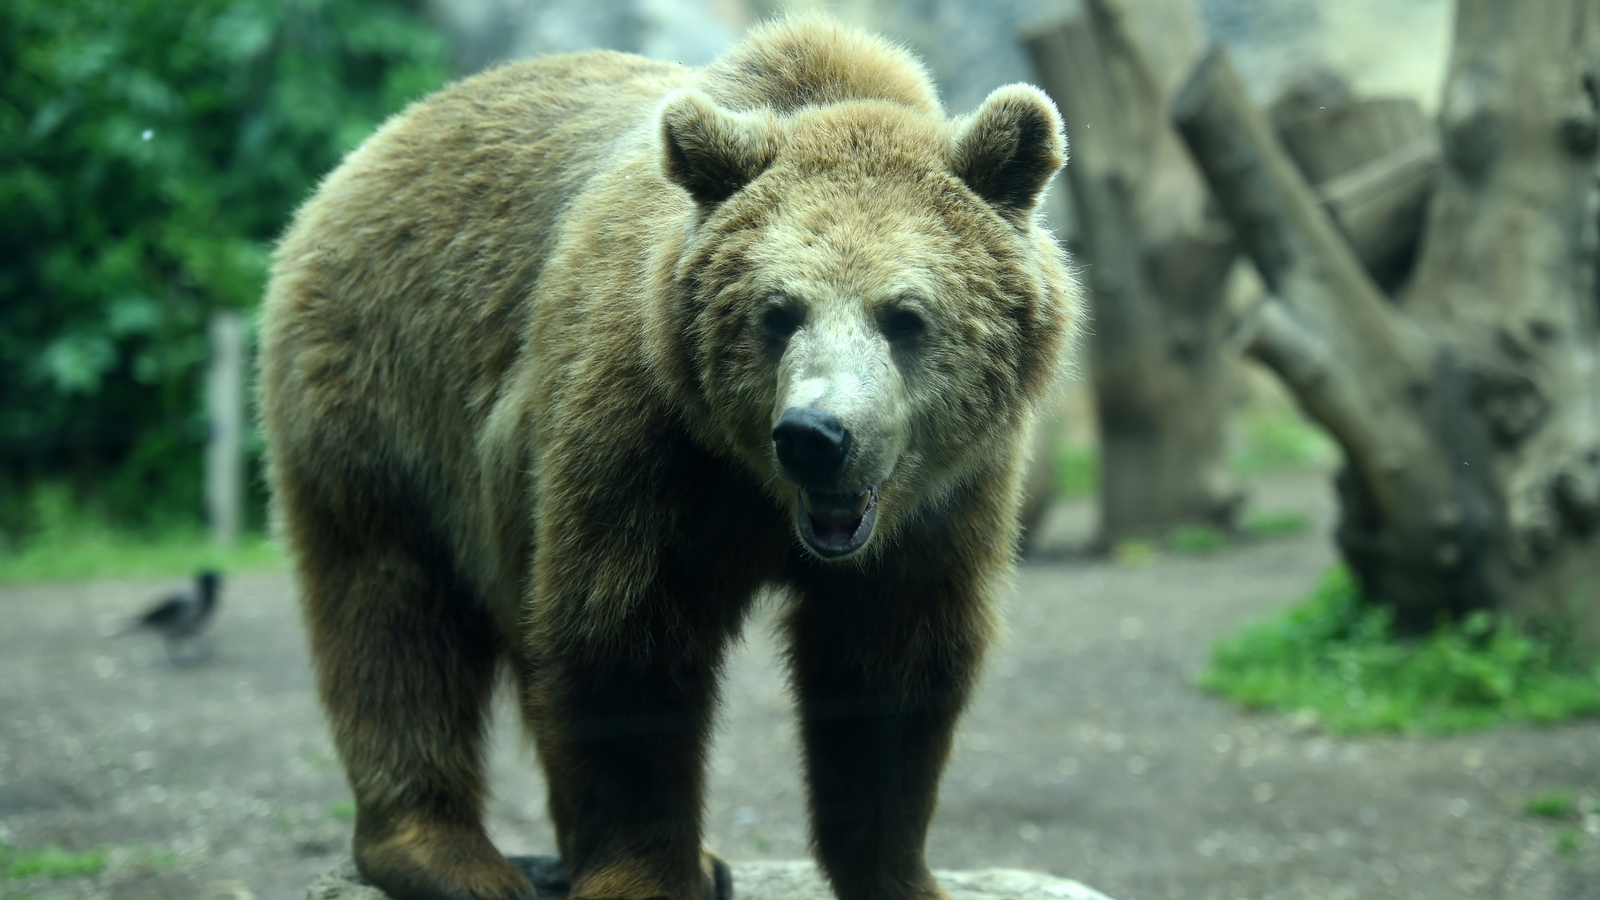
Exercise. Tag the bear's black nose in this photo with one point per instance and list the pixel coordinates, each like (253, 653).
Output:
(811, 444)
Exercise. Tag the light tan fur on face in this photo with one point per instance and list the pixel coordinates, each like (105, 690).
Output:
(859, 211)
(520, 395)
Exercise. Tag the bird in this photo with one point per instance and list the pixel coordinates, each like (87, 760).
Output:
(182, 617)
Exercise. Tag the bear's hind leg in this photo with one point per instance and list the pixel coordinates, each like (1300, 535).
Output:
(406, 664)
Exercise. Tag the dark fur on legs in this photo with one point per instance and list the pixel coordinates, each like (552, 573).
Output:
(882, 663)
(406, 663)
(622, 737)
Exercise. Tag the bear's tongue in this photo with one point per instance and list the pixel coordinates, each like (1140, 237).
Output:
(837, 524)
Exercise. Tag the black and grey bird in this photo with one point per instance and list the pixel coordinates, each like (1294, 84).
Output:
(181, 618)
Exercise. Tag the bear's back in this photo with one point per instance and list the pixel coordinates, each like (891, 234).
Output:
(815, 61)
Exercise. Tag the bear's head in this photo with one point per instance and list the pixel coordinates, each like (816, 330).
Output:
(863, 307)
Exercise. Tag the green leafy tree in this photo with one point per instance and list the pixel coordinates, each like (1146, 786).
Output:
(150, 152)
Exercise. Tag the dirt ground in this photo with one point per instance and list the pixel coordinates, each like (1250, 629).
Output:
(1087, 754)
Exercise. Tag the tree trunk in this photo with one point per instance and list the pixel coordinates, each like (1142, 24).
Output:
(1155, 263)
(1379, 206)
(1373, 160)
(1469, 410)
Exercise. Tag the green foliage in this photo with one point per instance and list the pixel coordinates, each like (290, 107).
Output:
(50, 862)
(1276, 524)
(149, 154)
(1267, 441)
(1551, 805)
(1340, 657)
(161, 859)
(1279, 441)
(1196, 540)
(66, 543)
(343, 810)
(1133, 553)
(1077, 472)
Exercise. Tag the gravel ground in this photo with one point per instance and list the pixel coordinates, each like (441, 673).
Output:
(1087, 753)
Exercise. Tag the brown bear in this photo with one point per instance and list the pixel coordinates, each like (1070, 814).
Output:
(574, 358)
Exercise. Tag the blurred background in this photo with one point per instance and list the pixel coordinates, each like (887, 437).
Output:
(1273, 635)
(153, 153)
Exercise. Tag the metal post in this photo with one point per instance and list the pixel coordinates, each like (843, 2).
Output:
(225, 435)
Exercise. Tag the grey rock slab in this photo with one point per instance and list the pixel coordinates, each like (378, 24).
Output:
(753, 881)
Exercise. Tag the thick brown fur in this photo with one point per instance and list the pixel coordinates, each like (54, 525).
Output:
(520, 404)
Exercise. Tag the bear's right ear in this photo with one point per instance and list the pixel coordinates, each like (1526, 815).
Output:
(712, 152)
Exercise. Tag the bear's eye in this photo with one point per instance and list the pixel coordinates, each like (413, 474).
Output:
(779, 323)
(902, 326)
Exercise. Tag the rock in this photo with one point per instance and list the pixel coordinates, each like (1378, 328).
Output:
(753, 881)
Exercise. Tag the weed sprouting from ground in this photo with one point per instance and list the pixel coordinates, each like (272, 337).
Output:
(53, 863)
(1134, 553)
(1553, 805)
(1196, 540)
(1276, 524)
(1341, 657)
(50, 862)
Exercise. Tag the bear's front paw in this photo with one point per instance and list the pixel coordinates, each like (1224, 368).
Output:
(719, 878)
(634, 882)
(416, 859)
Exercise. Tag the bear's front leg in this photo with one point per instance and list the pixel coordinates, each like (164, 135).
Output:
(621, 732)
(882, 670)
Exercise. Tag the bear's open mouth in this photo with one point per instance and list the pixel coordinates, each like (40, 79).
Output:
(837, 524)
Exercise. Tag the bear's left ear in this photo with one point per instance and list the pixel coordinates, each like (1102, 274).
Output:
(712, 152)
(1009, 149)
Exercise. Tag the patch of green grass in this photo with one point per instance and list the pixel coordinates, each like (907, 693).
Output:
(1077, 472)
(1134, 553)
(1275, 524)
(1567, 841)
(50, 862)
(1280, 441)
(1196, 540)
(1340, 657)
(110, 554)
(1551, 805)
(343, 810)
(1266, 441)
(161, 860)
(69, 543)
